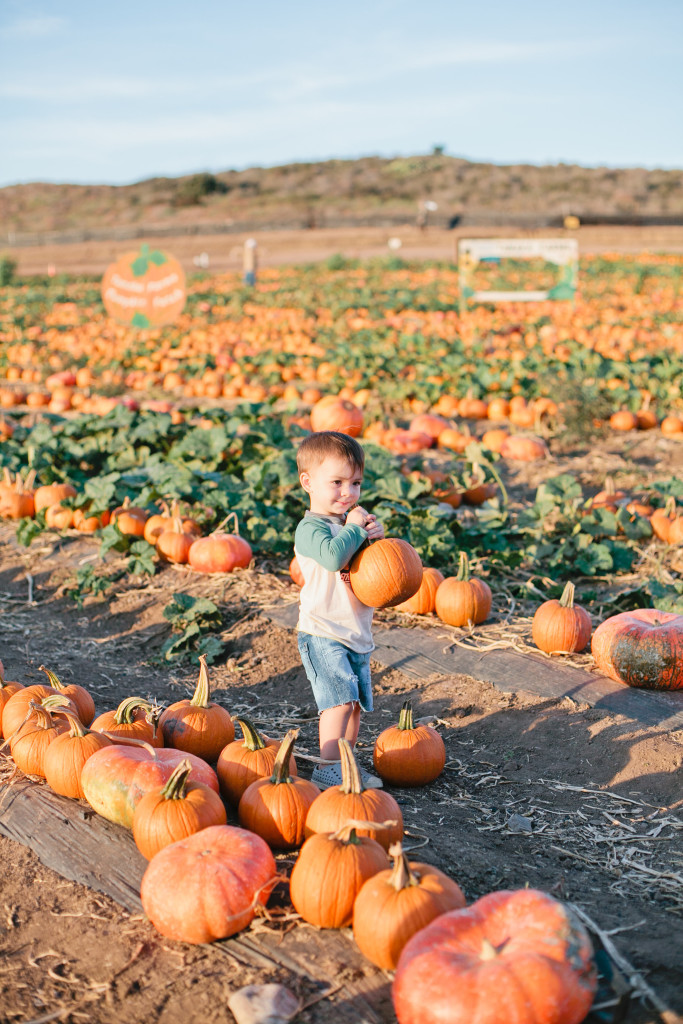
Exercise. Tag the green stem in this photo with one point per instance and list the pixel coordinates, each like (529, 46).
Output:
(253, 740)
(351, 780)
(281, 766)
(405, 720)
(202, 692)
(464, 567)
(125, 712)
(177, 782)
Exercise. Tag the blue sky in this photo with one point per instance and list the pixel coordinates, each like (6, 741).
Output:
(94, 92)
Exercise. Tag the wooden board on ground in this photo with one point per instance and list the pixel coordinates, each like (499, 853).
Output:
(418, 653)
(78, 844)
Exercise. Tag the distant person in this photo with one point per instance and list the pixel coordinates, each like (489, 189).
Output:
(250, 261)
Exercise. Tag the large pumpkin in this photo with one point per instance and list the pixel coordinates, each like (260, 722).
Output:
(144, 288)
(386, 573)
(116, 778)
(221, 551)
(335, 413)
(518, 957)
(643, 648)
(207, 887)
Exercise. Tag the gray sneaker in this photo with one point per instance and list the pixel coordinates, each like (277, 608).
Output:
(325, 776)
(370, 781)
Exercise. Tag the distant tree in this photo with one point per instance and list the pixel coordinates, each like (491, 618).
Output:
(438, 150)
(194, 189)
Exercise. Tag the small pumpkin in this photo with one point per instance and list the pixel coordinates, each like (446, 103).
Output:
(396, 903)
(385, 573)
(296, 573)
(623, 420)
(423, 600)
(7, 690)
(275, 808)
(339, 414)
(330, 872)
(221, 551)
(609, 497)
(16, 707)
(561, 627)
(244, 761)
(523, 449)
(407, 754)
(208, 886)
(85, 705)
(130, 519)
(66, 755)
(350, 801)
(198, 725)
(642, 648)
(29, 745)
(59, 517)
(52, 494)
(462, 599)
(134, 719)
(173, 543)
(515, 956)
(177, 810)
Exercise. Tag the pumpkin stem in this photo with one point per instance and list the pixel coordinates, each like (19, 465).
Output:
(52, 678)
(281, 766)
(401, 876)
(253, 740)
(464, 567)
(56, 701)
(609, 487)
(405, 720)
(351, 780)
(670, 506)
(42, 715)
(177, 782)
(128, 741)
(347, 832)
(76, 726)
(235, 523)
(488, 951)
(567, 599)
(202, 693)
(125, 712)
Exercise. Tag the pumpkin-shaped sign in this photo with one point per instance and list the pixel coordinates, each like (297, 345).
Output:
(144, 289)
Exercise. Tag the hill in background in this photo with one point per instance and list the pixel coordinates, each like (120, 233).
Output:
(335, 193)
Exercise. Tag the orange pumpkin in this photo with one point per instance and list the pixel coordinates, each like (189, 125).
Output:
(335, 413)
(198, 725)
(134, 718)
(523, 449)
(52, 494)
(144, 288)
(66, 755)
(461, 600)
(296, 573)
(244, 761)
(407, 754)
(423, 600)
(642, 648)
(85, 705)
(561, 627)
(385, 573)
(220, 551)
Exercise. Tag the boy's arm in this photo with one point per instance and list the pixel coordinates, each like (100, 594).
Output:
(313, 539)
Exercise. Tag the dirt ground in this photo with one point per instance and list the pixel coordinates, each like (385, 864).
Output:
(286, 247)
(551, 794)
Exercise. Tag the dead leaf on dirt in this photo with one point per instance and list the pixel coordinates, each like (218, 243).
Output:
(264, 1004)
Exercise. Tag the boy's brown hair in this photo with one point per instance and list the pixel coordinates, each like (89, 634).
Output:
(315, 448)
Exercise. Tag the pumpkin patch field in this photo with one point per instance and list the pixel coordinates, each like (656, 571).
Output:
(526, 460)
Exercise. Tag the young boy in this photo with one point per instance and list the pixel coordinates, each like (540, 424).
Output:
(335, 636)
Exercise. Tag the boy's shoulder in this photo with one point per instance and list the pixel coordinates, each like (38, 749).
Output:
(315, 521)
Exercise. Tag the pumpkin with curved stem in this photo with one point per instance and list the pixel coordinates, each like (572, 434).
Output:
(330, 872)
(133, 719)
(116, 778)
(221, 551)
(561, 627)
(52, 494)
(396, 903)
(173, 543)
(16, 707)
(208, 886)
(198, 725)
(29, 746)
(642, 648)
(407, 754)
(275, 808)
(244, 761)
(156, 523)
(662, 518)
(130, 519)
(85, 705)
(339, 414)
(68, 752)
(385, 573)
(334, 806)
(462, 599)
(177, 810)
(609, 497)
(516, 956)
(423, 601)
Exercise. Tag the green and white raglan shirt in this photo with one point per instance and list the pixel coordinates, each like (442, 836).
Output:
(324, 546)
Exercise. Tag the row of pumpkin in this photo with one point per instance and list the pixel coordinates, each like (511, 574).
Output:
(206, 880)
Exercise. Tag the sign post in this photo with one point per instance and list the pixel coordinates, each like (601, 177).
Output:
(563, 252)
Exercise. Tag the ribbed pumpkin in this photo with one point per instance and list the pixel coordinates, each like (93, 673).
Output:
(175, 811)
(85, 705)
(407, 754)
(52, 494)
(173, 543)
(424, 600)
(350, 801)
(221, 551)
(339, 414)
(330, 872)
(116, 778)
(276, 808)
(244, 761)
(642, 648)
(199, 725)
(207, 887)
(29, 745)
(130, 519)
(66, 755)
(517, 957)
(396, 903)
(133, 719)
(662, 520)
(461, 599)
(7, 690)
(59, 517)
(16, 708)
(561, 627)
(385, 573)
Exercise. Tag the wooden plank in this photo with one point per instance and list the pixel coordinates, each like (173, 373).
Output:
(418, 653)
(71, 839)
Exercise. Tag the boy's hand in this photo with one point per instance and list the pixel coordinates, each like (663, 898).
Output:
(358, 516)
(374, 528)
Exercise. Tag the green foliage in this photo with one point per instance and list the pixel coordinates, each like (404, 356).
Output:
(89, 581)
(194, 621)
(8, 269)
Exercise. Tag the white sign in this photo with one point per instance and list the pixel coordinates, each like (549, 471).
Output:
(564, 252)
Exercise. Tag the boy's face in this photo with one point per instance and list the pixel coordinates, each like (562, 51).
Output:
(333, 485)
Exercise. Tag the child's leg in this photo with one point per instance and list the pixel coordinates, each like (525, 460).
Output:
(341, 722)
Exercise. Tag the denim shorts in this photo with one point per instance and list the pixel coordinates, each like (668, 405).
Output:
(337, 674)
